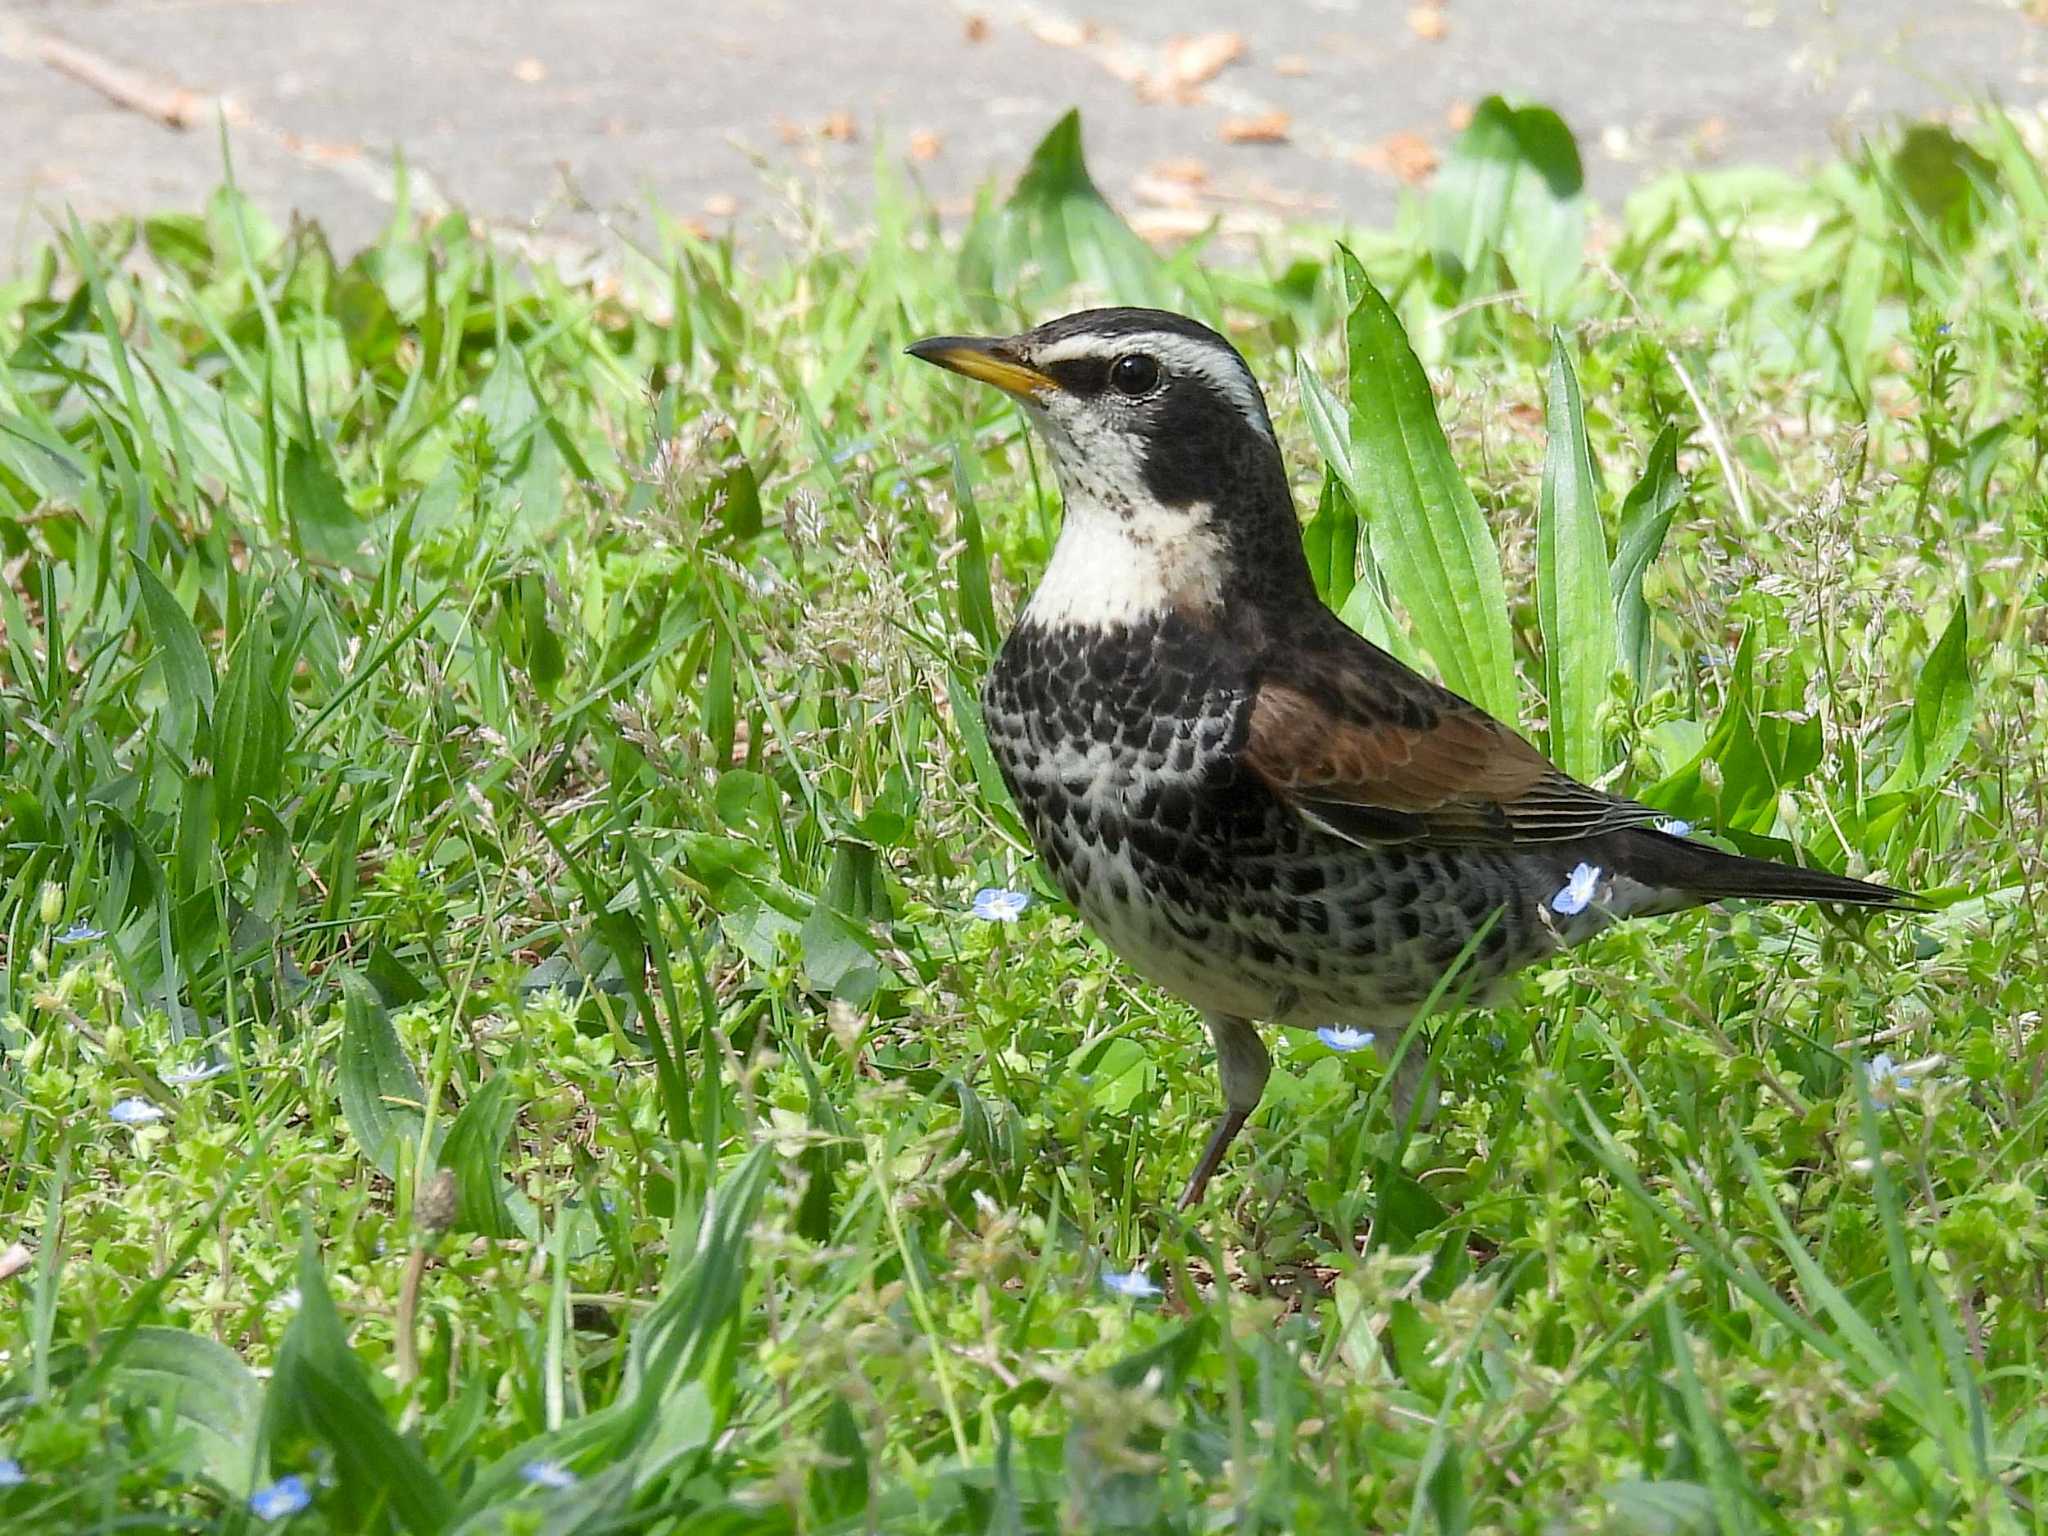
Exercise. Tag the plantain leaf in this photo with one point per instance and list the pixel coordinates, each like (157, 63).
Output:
(381, 1097)
(1944, 704)
(1056, 230)
(1645, 519)
(1425, 531)
(188, 676)
(1512, 187)
(319, 1391)
(215, 1399)
(249, 754)
(1573, 607)
(1331, 542)
(475, 1150)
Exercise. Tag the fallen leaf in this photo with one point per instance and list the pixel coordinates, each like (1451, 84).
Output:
(1408, 157)
(1184, 169)
(529, 71)
(925, 145)
(17, 1258)
(1292, 65)
(840, 128)
(721, 205)
(1162, 193)
(1058, 31)
(1264, 128)
(1427, 22)
(1192, 61)
(1459, 116)
(977, 28)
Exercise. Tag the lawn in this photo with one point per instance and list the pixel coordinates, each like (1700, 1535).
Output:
(504, 1025)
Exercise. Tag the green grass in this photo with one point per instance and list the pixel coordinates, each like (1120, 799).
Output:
(521, 734)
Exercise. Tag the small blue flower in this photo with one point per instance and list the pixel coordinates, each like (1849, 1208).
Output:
(135, 1112)
(11, 1475)
(185, 1077)
(992, 905)
(282, 1499)
(1675, 826)
(1887, 1080)
(1136, 1284)
(548, 1474)
(81, 933)
(1577, 892)
(1342, 1037)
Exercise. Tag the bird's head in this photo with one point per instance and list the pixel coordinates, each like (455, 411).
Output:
(1176, 494)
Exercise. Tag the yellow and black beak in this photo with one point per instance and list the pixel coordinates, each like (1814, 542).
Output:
(991, 361)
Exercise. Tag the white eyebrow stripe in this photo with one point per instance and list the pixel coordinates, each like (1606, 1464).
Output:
(1221, 368)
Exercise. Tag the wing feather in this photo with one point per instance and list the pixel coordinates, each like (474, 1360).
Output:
(1389, 757)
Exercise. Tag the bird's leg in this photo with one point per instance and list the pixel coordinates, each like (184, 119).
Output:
(1412, 1091)
(1244, 1066)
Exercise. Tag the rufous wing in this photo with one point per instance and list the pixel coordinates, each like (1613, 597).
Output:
(1379, 763)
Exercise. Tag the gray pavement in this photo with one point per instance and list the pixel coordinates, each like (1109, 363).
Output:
(561, 115)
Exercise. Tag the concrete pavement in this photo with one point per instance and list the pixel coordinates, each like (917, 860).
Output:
(559, 114)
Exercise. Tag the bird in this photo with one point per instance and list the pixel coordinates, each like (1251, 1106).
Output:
(1258, 809)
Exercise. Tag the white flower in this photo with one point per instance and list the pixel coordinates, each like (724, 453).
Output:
(1342, 1037)
(992, 905)
(1674, 826)
(81, 933)
(1136, 1284)
(281, 1500)
(986, 1204)
(135, 1112)
(11, 1475)
(1577, 892)
(548, 1474)
(1887, 1080)
(185, 1077)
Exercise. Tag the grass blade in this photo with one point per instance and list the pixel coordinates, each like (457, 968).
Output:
(1572, 602)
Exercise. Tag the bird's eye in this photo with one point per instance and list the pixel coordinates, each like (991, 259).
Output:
(1134, 374)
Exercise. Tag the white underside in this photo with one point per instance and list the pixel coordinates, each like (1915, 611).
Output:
(1111, 568)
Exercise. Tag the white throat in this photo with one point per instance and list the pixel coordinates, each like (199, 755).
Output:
(1123, 566)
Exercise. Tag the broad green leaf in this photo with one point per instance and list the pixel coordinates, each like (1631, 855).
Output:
(1425, 530)
(732, 500)
(318, 1391)
(681, 1368)
(474, 1149)
(1944, 178)
(188, 676)
(1118, 1072)
(1056, 230)
(1328, 422)
(1331, 542)
(1645, 519)
(381, 1097)
(1512, 186)
(325, 525)
(1573, 607)
(1944, 705)
(1664, 1507)
(1765, 741)
(248, 757)
(838, 950)
(215, 1399)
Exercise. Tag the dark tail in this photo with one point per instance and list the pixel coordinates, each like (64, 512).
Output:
(1708, 874)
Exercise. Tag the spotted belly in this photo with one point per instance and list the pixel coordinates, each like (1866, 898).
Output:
(1282, 922)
